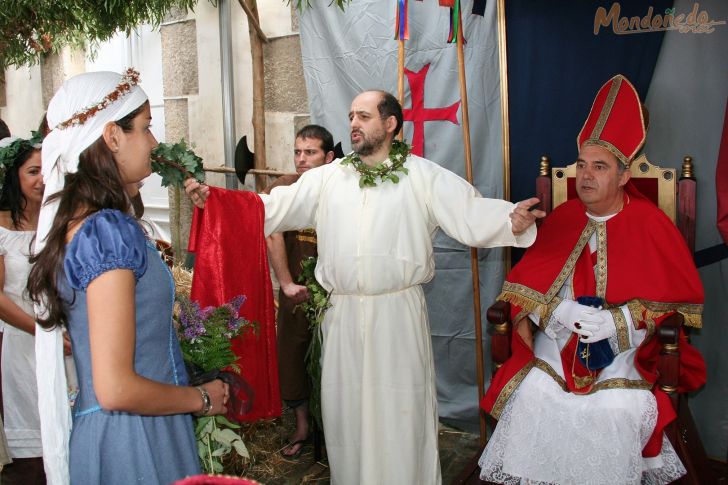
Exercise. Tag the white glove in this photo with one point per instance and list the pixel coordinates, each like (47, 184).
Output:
(581, 319)
(607, 328)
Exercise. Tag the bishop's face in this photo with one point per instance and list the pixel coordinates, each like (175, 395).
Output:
(599, 180)
(367, 128)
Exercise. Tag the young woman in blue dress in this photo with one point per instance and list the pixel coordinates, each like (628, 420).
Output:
(99, 276)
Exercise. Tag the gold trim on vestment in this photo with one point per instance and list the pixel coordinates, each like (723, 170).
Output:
(508, 389)
(543, 366)
(620, 323)
(536, 302)
(614, 383)
(650, 328)
(606, 109)
(601, 272)
(522, 314)
(642, 310)
(609, 147)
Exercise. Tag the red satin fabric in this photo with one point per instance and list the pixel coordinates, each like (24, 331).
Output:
(231, 259)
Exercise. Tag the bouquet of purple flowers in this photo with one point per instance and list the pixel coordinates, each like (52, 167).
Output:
(205, 333)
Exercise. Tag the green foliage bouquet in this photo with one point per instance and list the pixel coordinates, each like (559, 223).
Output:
(176, 162)
(204, 335)
(314, 308)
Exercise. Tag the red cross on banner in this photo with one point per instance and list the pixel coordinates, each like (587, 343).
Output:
(418, 114)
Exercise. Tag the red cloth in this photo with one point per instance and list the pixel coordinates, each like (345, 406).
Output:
(647, 261)
(231, 260)
(721, 180)
(644, 246)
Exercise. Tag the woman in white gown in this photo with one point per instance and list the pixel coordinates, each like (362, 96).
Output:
(20, 201)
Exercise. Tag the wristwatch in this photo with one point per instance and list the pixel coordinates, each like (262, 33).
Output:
(206, 402)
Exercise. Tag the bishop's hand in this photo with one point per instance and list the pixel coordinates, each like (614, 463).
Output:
(581, 319)
(606, 329)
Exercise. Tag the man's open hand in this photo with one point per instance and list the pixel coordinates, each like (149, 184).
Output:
(523, 216)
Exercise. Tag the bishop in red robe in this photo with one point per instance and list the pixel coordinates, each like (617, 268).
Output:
(562, 419)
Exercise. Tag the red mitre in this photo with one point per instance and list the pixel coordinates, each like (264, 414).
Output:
(616, 121)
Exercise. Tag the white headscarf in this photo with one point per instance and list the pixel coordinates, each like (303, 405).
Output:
(76, 99)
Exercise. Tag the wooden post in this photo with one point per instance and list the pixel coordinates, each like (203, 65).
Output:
(480, 371)
(256, 50)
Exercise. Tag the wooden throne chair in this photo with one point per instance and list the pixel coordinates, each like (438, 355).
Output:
(676, 197)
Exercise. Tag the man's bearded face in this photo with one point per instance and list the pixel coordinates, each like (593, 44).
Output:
(367, 142)
(367, 129)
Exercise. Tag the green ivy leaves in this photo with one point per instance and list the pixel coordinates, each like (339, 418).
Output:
(175, 162)
(215, 440)
(368, 175)
(314, 308)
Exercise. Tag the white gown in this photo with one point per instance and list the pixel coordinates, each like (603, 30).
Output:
(375, 250)
(20, 392)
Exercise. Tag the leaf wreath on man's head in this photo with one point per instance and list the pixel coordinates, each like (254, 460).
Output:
(11, 147)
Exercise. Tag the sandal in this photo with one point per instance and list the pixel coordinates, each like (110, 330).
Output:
(291, 444)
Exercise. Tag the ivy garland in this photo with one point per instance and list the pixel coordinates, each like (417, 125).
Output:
(368, 175)
(9, 153)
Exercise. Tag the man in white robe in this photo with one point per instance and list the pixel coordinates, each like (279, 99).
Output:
(375, 250)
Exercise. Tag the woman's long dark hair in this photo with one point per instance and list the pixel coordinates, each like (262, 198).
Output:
(96, 185)
(12, 198)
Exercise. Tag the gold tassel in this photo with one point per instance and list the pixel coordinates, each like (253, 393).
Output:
(527, 304)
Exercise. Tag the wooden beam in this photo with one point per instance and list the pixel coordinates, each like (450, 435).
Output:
(253, 19)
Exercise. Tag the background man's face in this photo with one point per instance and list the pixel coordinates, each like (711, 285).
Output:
(599, 183)
(308, 154)
(368, 132)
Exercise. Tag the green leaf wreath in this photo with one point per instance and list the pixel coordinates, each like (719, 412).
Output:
(176, 162)
(314, 308)
(9, 154)
(383, 171)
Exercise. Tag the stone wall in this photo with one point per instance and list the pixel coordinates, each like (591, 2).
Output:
(193, 95)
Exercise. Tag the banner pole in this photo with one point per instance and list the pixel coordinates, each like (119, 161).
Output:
(400, 79)
(480, 371)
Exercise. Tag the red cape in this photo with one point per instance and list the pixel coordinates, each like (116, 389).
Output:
(231, 260)
(649, 267)
(648, 260)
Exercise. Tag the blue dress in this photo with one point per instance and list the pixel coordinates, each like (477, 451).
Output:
(117, 447)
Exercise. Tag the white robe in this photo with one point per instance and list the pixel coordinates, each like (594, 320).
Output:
(375, 250)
